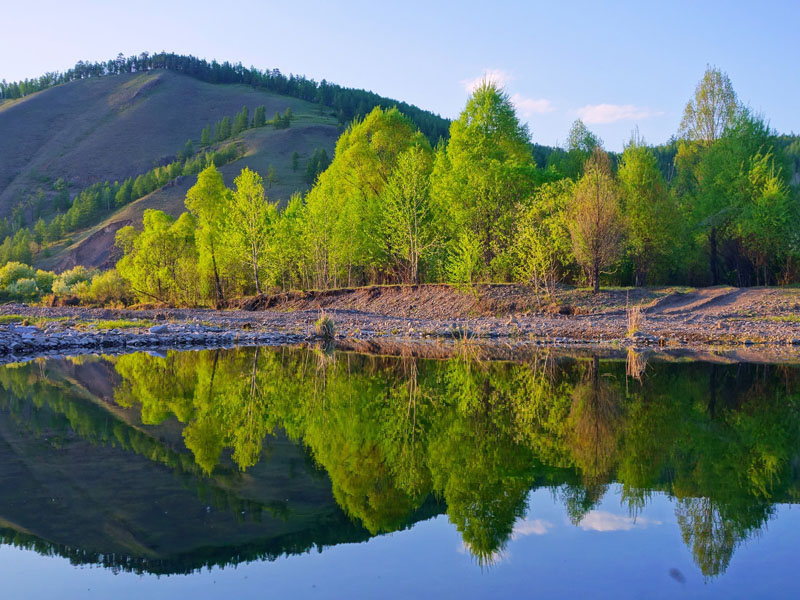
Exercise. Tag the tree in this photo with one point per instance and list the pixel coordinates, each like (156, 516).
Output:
(713, 108)
(187, 152)
(160, 262)
(595, 223)
(580, 144)
(205, 136)
(346, 206)
(648, 209)
(407, 222)
(260, 116)
(484, 174)
(542, 244)
(241, 122)
(208, 200)
(295, 160)
(249, 221)
(39, 233)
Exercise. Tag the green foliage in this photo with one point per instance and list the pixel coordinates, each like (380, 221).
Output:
(650, 213)
(542, 244)
(484, 174)
(160, 262)
(594, 221)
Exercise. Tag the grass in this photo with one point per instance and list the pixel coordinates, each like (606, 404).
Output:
(782, 318)
(635, 318)
(122, 324)
(325, 327)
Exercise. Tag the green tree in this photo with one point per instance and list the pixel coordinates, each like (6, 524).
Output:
(205, 136)
(595, 223)
(648, 209)
(260, 116)
(241, 122)
(713, 108)
(209, 200)
(407, 220)
(249, 221)
(484, 174)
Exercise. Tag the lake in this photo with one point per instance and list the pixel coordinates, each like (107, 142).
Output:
(312, 473)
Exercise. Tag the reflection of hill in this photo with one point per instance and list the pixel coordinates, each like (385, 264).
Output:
(247, 430)
(83, 484)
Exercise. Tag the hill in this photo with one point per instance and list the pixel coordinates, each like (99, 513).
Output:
(110, 128)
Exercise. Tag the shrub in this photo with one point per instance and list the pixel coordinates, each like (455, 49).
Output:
(109, 287)
(23, 290)
(66, 283)
(326, 327)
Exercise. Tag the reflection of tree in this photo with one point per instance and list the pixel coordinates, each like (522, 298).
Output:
(595, 420)
(711, 537)
(391, 432)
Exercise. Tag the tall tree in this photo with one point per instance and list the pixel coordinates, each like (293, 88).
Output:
(712, 109)
(486, 171)
(648, 209)
(595, 223)
(249, 221)
(209, 200)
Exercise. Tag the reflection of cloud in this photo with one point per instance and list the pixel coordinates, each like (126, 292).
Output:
(497, 76)
(611, 113)
(600, 520)
(525, 527)
(530, 106)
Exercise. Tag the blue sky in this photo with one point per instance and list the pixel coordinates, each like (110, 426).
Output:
(616, 64)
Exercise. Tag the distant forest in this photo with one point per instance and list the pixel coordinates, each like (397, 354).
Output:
(346, 103)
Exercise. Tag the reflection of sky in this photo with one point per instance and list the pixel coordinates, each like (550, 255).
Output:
(546, 557)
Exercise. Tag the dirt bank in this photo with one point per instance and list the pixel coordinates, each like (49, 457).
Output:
(716, 320)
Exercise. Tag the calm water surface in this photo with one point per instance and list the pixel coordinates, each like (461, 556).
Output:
(261, 473)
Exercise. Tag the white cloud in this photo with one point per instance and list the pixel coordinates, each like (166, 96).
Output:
(497, 76)
(535, 527)
(598, 520)
(531, 106)
(611, 113)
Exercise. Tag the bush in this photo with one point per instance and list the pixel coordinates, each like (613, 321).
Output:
(22, 290)
(109, 287)
(66, 283)
(13, 271)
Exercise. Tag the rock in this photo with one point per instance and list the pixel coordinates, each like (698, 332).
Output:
(159, 329)
(25, 329)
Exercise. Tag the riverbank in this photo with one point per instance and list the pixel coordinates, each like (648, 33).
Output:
(430, 320)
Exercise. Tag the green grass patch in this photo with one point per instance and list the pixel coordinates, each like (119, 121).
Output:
(121, 324)
(782, 318)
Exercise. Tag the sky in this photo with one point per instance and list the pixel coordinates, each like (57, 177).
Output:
(616, 65)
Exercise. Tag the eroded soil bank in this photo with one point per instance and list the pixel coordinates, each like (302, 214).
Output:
(432, 320)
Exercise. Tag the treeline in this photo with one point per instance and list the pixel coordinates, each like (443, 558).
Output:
(99, 200)
(390, 208)
(346, 103)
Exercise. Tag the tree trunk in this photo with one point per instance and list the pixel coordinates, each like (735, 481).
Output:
(712, 242)
(596, 278)
(217, 283)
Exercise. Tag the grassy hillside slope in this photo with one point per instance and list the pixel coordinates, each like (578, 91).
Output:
(110, 128)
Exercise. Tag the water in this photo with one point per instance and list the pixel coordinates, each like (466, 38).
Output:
(300, 473)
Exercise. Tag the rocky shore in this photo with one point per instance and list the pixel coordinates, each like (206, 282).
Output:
(715, 321)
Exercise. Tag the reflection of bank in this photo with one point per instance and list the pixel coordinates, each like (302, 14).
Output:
(396, 437)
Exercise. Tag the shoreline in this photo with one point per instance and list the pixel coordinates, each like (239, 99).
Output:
(28, 332)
